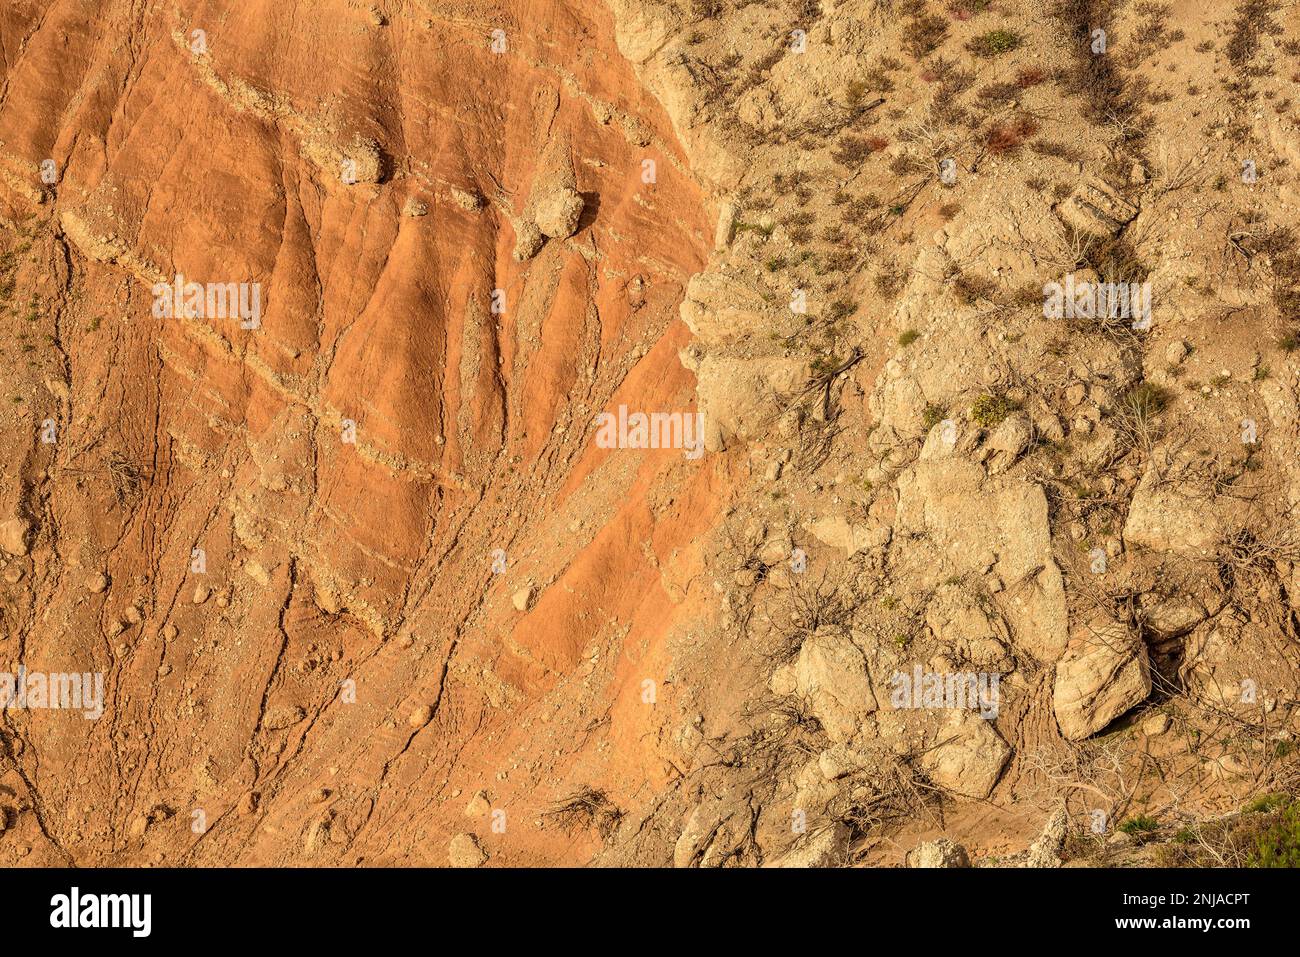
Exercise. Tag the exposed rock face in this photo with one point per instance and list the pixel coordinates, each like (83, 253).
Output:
(1095, 207)
(330, 485)
(348, 552)
(721, 310)
(1046, 849)
(1007, 441)
(961, 623)
(1103, 673)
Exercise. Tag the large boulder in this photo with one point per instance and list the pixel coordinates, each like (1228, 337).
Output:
(969, 758)
(1238, 665)
(837, 532)
(720, 309)
(996, 524)
(826, 846)
(831, 674)
(1167, 518)
(737, 396)
(1103, 673)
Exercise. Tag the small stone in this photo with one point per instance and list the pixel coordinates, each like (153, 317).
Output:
(557, 213)
(98, 583)
(1155, 725)
(467, 200)
(248, 803)
(285, 716)
(420, 716)
(466, 852)
(523, 598)
(528, 240)
(940, 853)
(478, 805)
(170, 631)
(15, 534)
(201, 594)
(133, 615)
(14, 574)
(1176, 352)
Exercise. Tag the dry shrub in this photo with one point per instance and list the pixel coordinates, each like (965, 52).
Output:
(1030, 76)
(1008, 137)
(584, 809)
(923, 34)
(855, 149)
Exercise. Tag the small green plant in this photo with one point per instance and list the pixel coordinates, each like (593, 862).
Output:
(763, 229)
(988, 410)
(1267, 802)
(995, 43)
(908, 336)
(1279, 845)
(1137, 826)
(932, 415)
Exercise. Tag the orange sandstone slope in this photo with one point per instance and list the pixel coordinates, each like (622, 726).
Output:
(284, 546)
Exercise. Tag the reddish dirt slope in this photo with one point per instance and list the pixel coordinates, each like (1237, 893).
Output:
(336, 569)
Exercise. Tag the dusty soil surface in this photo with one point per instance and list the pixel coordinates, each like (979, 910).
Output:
(363, 578)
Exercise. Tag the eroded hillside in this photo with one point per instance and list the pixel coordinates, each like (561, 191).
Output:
(364, 584)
